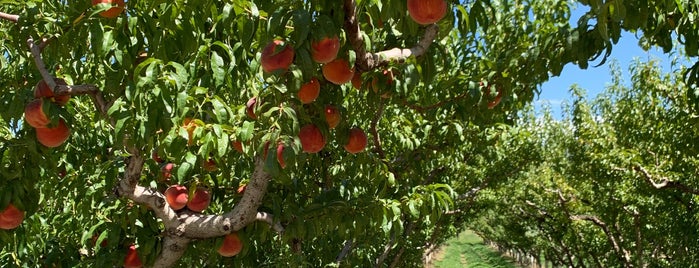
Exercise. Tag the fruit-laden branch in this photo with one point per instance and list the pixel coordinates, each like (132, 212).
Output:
(62, 90)
(194, 225)
(10, 17)
(200, 226)
(367, 60)
(664, 182)
(181, 229)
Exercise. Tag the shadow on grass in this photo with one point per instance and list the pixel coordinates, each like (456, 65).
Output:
(468, 250)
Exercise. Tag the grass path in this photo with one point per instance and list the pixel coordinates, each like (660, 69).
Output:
(467, 250)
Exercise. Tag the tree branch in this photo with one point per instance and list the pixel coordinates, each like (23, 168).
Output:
(200, 226)
(354, 34)
(36, 54)
(664, 182)
(173, 249)
(349, 244)
(386, 249)
(269, 219)
(10, 17)
(605, 229)
(375, 133)
(61, 90)
(367, 60)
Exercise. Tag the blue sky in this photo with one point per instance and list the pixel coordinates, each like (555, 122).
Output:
(594, 79)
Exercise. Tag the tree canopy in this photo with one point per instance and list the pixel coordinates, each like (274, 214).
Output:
(317, 133)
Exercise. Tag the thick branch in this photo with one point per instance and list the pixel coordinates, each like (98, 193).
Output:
(346, 249)
(200, 226)
(354, 34)
(269, 219)
(173, 249)
(664, 182)
(10, 17)
(402, 54)
(605, 229)
(367, 60)
(128, 187)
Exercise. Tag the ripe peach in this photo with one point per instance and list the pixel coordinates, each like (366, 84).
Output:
(250, 107)
(156, 157)
(231, 245)
(387, 77)
(496, 100)
(280, 155)
(42, 90)
(209, 165)
(11, 217)
(166, 171)
(277, 55)
(112, 12)
(62, 172)
(34, 114)
(53, 137)
(309, 91)
(332, 116)
(338, 71)
(266, 150)
(427, 11)
(132, 260)
(325, 50)
(312, 140)
(95, 237)
(357, 141)
(238, 146)
(200, 201)
(357, 80)
(177, 196)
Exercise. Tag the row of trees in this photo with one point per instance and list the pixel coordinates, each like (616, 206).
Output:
(191, 93)
(612, 184)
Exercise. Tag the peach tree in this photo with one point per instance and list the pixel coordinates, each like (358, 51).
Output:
(290, 132)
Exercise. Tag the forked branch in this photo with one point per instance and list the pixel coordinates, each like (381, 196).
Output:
(61, 90)
(369, 60)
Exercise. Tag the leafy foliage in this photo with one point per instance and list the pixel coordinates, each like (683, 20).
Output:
(433, 141)
(614, 184)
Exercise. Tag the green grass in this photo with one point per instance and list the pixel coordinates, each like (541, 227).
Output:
(468, 250)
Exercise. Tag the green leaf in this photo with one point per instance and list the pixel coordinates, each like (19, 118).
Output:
(217, 67)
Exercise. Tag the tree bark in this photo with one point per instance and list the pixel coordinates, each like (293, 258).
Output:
(366, 60)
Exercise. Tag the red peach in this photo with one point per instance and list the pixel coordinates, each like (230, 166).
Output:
(338, 71)
(325, 50)
(357, 141)
(177, 196)
(277, 55)
(312, 140)
(427, 11)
